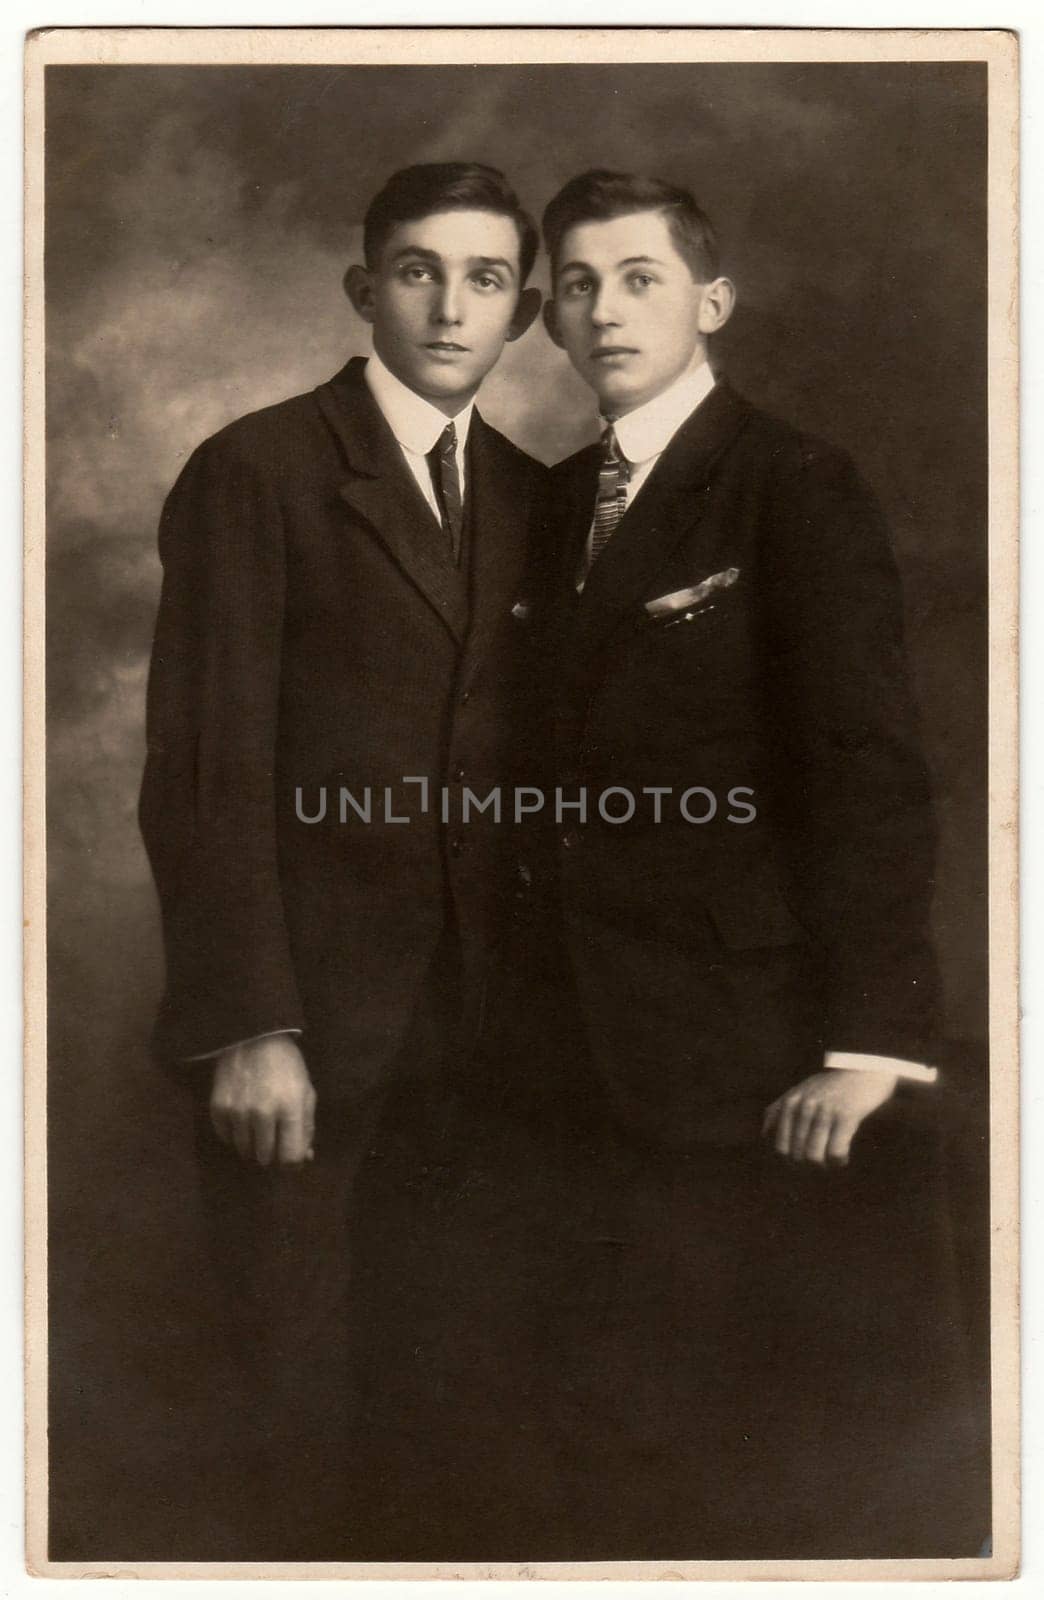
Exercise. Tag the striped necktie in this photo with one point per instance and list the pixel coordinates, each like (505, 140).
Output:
(442, 464)
(613, 477)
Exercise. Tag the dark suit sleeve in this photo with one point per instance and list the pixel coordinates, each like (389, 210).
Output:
(207, 805)
(852, 781)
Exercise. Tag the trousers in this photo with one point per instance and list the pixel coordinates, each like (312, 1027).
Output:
(281, 1245)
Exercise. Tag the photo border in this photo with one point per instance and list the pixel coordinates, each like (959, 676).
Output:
(494, 46)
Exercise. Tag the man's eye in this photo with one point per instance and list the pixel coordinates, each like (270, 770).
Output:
(578, 286)
(417, 273)
(642, 280)
(487, 280)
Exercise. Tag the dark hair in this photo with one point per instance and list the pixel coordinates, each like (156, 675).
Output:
(434, 186)
(598, 196)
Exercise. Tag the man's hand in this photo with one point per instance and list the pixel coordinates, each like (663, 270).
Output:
(263, 1102)
(818, 1119)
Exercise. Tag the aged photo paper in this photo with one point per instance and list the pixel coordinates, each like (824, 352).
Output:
(521, 572)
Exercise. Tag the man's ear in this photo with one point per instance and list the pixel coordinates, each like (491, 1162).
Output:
(358, 286)
(525, 313)
(719, 298)
(551, 324)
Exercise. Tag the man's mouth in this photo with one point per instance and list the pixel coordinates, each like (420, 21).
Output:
(447, 345)
(606, 352)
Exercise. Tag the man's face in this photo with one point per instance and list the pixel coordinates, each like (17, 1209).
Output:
(444, 299)
(626, 308)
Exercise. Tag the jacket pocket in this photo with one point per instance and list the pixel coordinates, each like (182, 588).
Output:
(691, 619)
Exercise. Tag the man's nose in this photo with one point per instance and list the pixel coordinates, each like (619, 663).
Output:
(448, 307)
(604, 310)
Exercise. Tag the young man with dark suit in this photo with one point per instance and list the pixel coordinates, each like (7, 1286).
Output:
(747, 928)
(334, 663)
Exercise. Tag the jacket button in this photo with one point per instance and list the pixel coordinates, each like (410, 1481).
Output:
(465, 697)
(569, 839)
(456, 845)
(458, 774)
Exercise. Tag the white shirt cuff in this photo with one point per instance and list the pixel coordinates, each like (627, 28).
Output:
(847, 1061)
(210, 1055)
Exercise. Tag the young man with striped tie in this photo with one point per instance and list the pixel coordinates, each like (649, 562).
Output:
(757, 986)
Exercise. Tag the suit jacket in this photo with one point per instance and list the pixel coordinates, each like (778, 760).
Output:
(312, 637)
(716, 961)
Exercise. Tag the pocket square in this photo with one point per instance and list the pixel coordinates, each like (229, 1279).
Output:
(681, 599)
(520, 610)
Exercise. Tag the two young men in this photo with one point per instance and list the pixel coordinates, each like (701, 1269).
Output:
(718, 610)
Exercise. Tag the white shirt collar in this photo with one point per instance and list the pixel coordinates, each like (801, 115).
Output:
(414, 421)
(645, 432)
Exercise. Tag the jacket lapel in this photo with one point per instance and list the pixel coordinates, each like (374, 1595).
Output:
(578, 513)
(669, 506)
(497, 497)
(381, 489)
(574, 485)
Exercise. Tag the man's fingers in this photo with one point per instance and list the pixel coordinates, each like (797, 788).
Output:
(805, 1119)
(294, 1141)
(803, 1127)
(785, 1125)
(817, 1120)
(264, 1137)
(841, 1136)
(819, 1136)
(263, 1103)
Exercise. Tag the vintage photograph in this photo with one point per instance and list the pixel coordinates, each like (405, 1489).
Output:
(520, 651)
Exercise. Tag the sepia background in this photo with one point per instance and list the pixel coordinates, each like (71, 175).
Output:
(199, 220)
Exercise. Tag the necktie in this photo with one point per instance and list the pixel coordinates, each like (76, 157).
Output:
(613, 477)
(442, 463)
